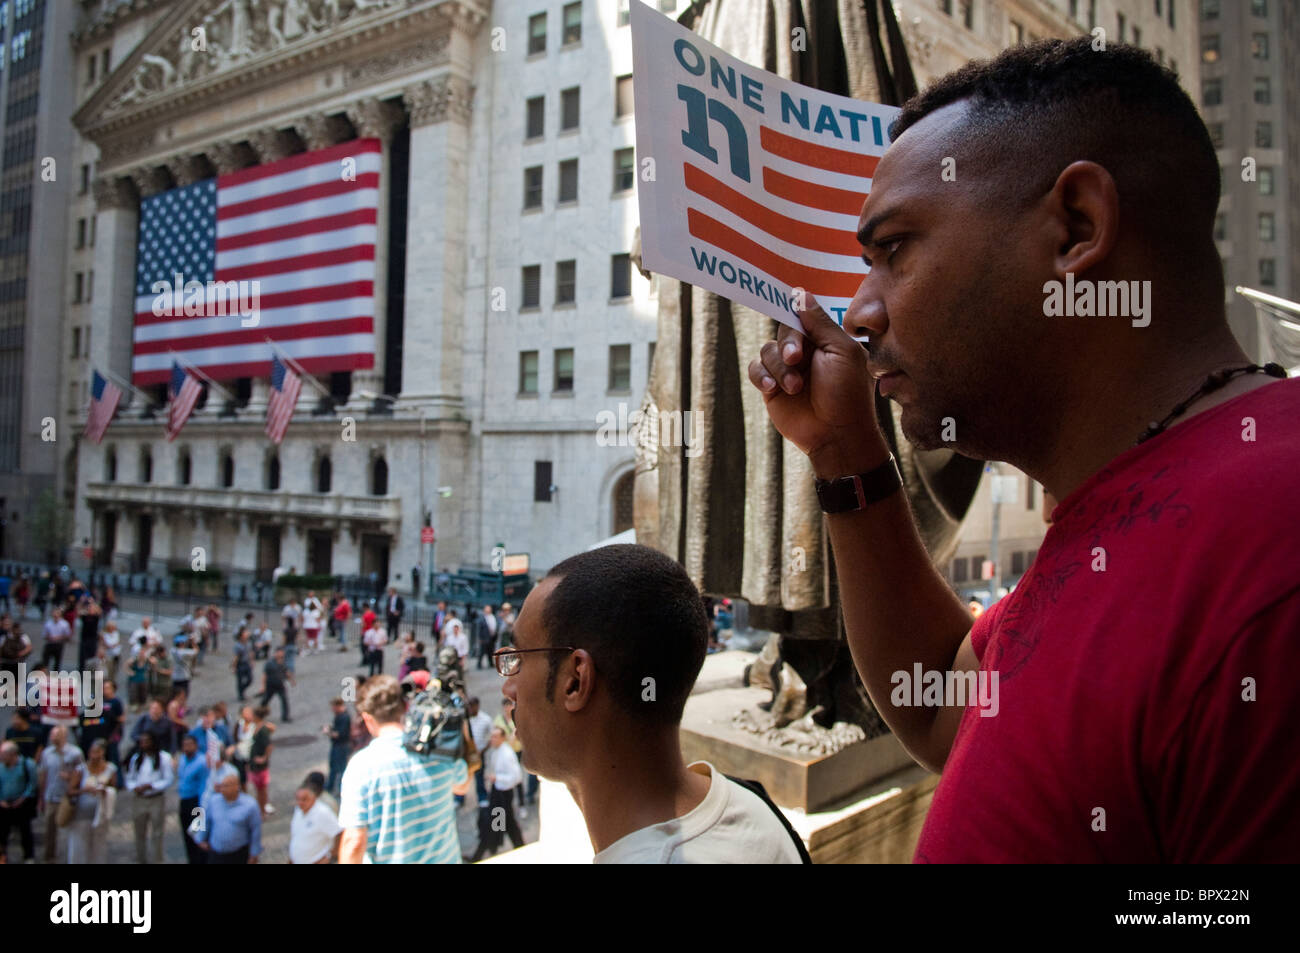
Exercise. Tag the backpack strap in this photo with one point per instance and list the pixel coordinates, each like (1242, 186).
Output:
(757, 788)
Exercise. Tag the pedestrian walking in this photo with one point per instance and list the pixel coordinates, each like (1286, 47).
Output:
(93, 787)
(232, 829)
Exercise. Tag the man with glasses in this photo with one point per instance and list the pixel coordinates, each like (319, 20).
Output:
(598, 704)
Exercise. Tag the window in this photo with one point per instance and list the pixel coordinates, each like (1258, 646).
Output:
(379, 477)
(620, 276)
(620, 367)
(146, 465)
(977, 567)
(532, 286)
(90, 284)
(533, 187)
(324, 475)
(1123, 23)
(1092, 14)
(1160, 56)
(20, 45)
(1259, 46)
(1220, 227)
(1216, 134)
(273, 472)
(76, 342)
(1259, 8)
(564, 370)
(1209, 9)
(623, 96)
(1264, 134)
(228, 470)
(650, 360)
(1137, 36)
(1158, 10)
(85, 340)
(569, 100)
(1267, 227)
(1171, 13)
(566, 281)
(78, 288)
(572, 18)
(959, 570)
(85, 178)
(537, 34)
(1018, 563)
(535, 126)
(1263, 91)
(1223, 180)
(967, 13)
(110, 466)
(1029, 496)
(542, 481)
(90, 69)
(103, 69)
(1267, 272)
(1264, 177)
(1211, 92)
(528, 372)
(624, 14)
(93, 219)
(946, 6)
(624, 169)
(568, 181)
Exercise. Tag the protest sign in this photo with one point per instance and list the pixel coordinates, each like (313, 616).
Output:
(750, 185)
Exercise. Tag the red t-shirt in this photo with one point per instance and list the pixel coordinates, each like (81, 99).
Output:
(368, 619)
(1126, 690)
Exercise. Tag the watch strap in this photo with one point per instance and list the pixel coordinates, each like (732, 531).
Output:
(848, 494)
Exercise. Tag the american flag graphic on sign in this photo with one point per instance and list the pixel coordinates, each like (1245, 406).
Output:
(285, 387)
(183, 391)
(104, 398)
(294, 238)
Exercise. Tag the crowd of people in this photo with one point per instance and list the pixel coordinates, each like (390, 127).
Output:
(65, 763)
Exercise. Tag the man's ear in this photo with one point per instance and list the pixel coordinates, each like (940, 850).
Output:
(578, 681)
(1084, 204)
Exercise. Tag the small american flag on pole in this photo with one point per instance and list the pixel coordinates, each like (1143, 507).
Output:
(104, 398)
(184, 391)
(285, 387)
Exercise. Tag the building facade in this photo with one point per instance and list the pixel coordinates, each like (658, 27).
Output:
(510, 325)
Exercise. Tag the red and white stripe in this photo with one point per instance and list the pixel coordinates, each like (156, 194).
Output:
(182, 405)
(307, 235)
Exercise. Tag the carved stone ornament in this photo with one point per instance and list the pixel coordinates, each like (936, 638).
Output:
(150, 180)
(375, 119)
(272, 145)
(227, 157)
(237, 32)
(319, 131)
(436, 100)
(114, 192)
(431, 51)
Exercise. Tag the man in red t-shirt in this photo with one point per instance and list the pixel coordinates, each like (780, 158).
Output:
(1132, 694)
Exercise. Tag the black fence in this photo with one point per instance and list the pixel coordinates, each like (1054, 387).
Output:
(161, 597)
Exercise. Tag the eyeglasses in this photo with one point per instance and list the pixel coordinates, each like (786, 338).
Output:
(507, 660)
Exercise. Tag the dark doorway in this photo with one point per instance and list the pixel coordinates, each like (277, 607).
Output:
(320, 550)
(374, 558)
(144, 543)
(268, 551)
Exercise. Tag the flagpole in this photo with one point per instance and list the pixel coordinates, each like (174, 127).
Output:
(302, 372)
(199, 374)
(131, 387)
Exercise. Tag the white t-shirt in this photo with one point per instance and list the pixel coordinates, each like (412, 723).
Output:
(480, 729)
(731, 825)
(312, 834)
(112, 642)
(453, 634)
(310, 619)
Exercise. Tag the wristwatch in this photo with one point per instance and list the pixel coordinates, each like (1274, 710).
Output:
(848, 494)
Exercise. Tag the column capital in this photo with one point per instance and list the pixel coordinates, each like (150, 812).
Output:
(227, 157)
(188, 169)
(272, 145)
(437, 100)
(376, 119)
(150, 180)
(319, 131)
(114, 192)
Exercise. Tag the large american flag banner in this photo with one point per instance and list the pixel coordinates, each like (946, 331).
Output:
(183, 391)
(285, 387)
(302, 228)
(104, 398)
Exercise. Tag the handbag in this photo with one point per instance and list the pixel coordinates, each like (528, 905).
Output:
(66, 812)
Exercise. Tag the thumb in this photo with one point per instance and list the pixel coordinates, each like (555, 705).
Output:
(821, 328)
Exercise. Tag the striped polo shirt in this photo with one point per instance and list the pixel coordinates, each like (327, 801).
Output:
(404, 801)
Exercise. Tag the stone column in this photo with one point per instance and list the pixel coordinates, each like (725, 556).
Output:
(375, 119)
(227, 157)
(319, 131)
(112, 311)
(435, 252)
(188, 169)
(272, 145)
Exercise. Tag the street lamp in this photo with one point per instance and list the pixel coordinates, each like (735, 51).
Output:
(371, 395)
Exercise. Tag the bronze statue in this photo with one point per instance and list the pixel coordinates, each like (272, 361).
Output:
(739, 511)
